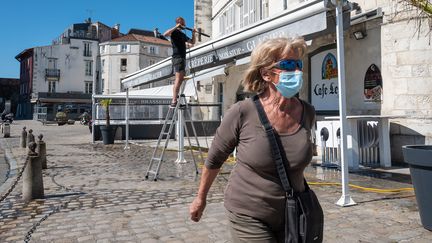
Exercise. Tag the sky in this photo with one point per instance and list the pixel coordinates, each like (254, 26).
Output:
(30, 23)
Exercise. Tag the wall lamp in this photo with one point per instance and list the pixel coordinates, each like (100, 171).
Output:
(360, 34)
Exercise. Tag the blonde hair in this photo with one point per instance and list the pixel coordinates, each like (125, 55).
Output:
(265, 55)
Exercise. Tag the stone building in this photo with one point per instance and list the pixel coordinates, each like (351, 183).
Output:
(61, 76)
(388, 56)
(387, 67)
(9, 94)
(130, 53)
(403, 44)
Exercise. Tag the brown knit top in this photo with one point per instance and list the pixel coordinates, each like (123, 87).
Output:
(254, 187)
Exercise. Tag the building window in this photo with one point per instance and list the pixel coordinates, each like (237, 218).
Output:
(154, 50)
(87, 49)
(250, 12)
(52, 63)
(123, 65)
(222, 22)
(151, 62)
(102, 49)
(88, 87)
(123, 48)
(265, 9)
(89, 68)
(228, 20)
(52, 86)
(208, 88)
(102, 65)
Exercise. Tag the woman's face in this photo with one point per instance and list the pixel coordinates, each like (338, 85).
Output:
(272, 75)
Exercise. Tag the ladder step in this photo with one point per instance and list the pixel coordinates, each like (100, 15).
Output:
(157, 159)
(152, 172)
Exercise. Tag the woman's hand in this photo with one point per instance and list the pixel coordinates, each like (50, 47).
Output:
(196, 208)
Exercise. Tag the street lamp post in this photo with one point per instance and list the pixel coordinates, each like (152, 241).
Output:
(345, 199)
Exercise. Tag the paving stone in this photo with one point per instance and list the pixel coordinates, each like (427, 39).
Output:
(115, 203)
(15, 238)
(87, 238)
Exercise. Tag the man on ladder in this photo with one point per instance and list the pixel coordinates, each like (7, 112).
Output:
(179, 40)
(178, 104)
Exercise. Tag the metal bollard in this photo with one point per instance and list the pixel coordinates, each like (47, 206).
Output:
(32, 177)
(30, 136)
(41, 150)
(6, 129)
(24, 138)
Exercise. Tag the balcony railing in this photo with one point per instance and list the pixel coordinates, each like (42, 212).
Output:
(52, 74)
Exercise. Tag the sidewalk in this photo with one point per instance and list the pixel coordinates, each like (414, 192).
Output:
(97, 193)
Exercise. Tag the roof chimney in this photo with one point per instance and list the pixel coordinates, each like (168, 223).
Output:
(156, 32)
(117, 27)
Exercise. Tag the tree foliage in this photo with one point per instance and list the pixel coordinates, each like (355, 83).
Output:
(418, 10)
(106, 104)
(424, 5)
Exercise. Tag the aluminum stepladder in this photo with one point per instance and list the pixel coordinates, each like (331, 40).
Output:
(174, 114)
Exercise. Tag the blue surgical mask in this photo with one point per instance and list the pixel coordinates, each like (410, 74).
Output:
(289, 83)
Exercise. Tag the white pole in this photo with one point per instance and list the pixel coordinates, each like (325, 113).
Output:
(127, 119)
(180, 137)
(93, 118)
(180, 123)
(94, 82)
(345, 199)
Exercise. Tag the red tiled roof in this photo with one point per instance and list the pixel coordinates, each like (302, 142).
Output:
(148, 39)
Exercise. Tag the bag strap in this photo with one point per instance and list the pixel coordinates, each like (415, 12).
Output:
(276, 154)
(275, 147)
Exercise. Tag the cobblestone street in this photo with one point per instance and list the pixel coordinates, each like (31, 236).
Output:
(98, 193)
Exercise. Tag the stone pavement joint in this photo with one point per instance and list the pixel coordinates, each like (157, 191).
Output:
(106, 198)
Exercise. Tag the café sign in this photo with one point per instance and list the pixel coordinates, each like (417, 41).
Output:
(324, 81)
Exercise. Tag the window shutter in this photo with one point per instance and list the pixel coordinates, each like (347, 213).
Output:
(118, 48)
(128, 49)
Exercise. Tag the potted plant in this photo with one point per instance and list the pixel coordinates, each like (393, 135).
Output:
(108, 131)
(61, 118)
(419, 159)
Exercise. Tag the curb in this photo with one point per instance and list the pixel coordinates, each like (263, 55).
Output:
(13, 168)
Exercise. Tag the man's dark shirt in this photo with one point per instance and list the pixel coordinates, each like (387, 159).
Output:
(178, 42)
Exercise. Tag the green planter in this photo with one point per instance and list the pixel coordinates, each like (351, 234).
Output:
(419, 158)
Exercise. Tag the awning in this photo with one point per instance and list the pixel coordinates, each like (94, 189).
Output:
(161, 92)
(61, 100)
(308, 20)
(207, 73)
(165, 92)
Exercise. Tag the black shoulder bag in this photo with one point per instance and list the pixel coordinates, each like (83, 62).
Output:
(304, 218)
